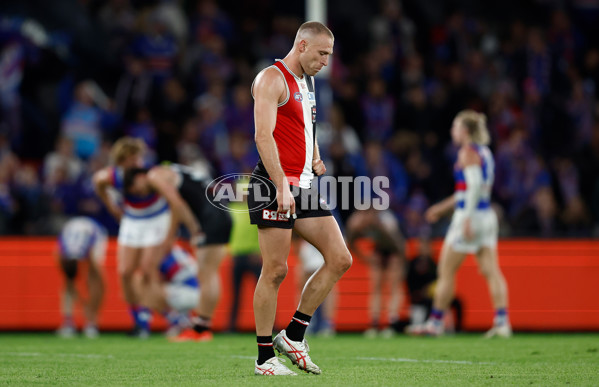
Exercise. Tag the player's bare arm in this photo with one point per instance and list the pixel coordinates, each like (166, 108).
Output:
(466, 156)
(470, 161)
(102, 180)
(162, 180)
(269, 90)
(317, 164)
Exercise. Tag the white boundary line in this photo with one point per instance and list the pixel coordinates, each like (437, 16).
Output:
(405, 360)
(379, 359)
(77, 355)
(393, 360)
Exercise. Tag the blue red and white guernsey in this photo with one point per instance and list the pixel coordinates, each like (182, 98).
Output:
(488, 171)
(78, 237)
(138, 207)
(179, 268)
(294, 128)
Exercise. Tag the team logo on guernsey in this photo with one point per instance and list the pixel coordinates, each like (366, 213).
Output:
(298, 97)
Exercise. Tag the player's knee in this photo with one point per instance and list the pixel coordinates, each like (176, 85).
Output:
(342, 262)
(126, 272)
(275, 274)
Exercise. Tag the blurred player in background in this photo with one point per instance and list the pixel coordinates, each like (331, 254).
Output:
(82, 243)
(386, 263)
(473, 228)
(209, 229)
(178, 293)
(245, 252)
(144, 224)
(421, 279)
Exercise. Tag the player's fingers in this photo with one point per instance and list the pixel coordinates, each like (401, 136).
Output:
(292, 208)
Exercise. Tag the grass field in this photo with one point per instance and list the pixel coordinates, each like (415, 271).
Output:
(346, 360)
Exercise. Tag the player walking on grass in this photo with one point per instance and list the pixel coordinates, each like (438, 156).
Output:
(285, 115)
(473, 228)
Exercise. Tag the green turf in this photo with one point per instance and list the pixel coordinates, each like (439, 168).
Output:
(346, 360)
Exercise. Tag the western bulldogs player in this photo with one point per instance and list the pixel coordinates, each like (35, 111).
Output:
(208, 226)
(82, 242)
(473, 228)
(179, 291)
(144, 224)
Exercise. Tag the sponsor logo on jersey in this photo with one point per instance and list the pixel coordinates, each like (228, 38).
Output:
(311, 96)
(298, 96)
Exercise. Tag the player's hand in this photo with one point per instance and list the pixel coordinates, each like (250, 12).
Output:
(198, 238)
(433, 214)
(165, 247)
(468, 234)
(285, 201)
(318, 167)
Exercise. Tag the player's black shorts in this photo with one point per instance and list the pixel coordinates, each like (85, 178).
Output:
(262, 203)
(216, 223)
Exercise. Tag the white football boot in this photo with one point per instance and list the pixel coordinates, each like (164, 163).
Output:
(429, 328)
(91, 331)
(296, 351)
(503, 330)
(272, 367)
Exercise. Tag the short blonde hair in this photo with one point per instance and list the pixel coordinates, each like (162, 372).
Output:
(313, 28)
(126, 147)
(476, 125)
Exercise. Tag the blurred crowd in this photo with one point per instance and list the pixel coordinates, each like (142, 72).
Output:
(76, 75)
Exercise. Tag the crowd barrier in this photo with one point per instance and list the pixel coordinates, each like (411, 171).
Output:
(553, 286)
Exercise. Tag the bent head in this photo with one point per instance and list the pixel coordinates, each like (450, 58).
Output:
(314, 43)
(470, 126)
(128, 152)
(136, 182)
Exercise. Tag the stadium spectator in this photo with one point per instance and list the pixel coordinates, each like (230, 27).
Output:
(536, 75)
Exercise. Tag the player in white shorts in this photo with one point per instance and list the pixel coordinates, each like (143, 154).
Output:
(473, 228)
(144, 224)
(81, 243)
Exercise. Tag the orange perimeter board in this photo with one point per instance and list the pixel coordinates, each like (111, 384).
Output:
(553, 284)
